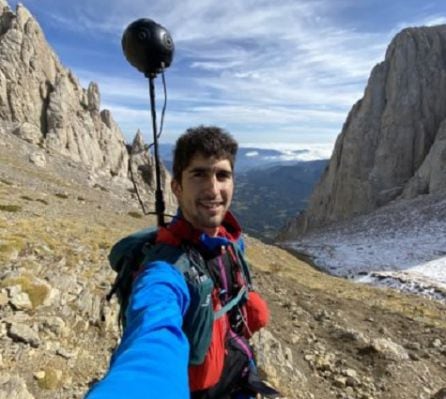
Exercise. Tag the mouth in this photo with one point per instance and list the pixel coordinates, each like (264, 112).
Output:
(211, 205)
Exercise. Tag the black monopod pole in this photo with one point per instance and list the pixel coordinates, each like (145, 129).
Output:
(149, 47)
(159, 198)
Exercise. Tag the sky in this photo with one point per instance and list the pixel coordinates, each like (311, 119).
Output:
(272, 72)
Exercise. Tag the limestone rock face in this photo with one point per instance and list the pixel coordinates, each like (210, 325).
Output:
(28, 69)
(431, 176)
(46, 101)
(76, 128)
(393, 141)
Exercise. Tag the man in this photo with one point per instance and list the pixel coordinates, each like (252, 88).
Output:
(187, 331)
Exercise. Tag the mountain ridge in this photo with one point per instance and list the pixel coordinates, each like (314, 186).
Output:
(43, 103)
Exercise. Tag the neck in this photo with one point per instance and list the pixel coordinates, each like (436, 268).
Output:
(211, 232)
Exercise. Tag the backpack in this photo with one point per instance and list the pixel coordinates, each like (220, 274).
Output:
(129, 253)
(126, 257)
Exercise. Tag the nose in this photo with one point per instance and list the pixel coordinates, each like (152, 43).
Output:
(212, 185)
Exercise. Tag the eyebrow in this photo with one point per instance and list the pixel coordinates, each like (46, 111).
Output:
(208, 169)
(199, 169)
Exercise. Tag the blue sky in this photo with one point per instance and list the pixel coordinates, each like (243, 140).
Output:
(269, 71)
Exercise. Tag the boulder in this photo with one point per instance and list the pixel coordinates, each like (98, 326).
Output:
(38, 158)
(389, 349)
(23, 333)
(29, 132)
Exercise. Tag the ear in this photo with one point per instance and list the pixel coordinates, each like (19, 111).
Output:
(176, 187)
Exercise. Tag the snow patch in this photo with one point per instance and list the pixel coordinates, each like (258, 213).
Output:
(402, 245)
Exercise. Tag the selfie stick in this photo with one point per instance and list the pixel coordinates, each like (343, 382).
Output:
(149, 48)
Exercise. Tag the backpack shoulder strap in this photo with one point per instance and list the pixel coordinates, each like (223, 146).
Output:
(239, 249)
(130, 246)
(176, 256)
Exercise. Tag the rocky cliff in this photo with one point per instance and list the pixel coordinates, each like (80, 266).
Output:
(393, 143)
(43, 103)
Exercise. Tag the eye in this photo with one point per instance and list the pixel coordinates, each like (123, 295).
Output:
(198, 173)
(223, 175)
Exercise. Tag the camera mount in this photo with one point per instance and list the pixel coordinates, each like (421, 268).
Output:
(149, 47)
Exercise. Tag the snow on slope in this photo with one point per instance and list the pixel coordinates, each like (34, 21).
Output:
(402, 245)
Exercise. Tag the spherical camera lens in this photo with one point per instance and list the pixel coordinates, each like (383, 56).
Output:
(143, 35)
(148, 46)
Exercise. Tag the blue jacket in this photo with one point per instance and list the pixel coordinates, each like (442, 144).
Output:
(152, 358)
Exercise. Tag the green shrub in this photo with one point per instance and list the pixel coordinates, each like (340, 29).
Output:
(37, 292)
(52, 379)
(10, 208)
(42, 201)
(135, 215)
(7, 182)
(11, 247)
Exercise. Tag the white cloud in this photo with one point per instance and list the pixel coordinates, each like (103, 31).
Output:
(434, 20)
(294, 151)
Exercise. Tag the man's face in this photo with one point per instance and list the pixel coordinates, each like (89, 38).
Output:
(205, 192)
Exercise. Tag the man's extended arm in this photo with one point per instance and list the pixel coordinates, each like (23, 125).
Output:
(151, 360)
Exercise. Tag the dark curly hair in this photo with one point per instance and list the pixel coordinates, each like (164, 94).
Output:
(209, 141)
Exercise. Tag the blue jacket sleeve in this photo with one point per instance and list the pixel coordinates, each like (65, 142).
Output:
(151, 360)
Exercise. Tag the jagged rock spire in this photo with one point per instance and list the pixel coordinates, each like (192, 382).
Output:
(142, 173)
(138, 144)
(3, 4)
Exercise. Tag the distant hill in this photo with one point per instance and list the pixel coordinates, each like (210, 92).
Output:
(265, 198)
